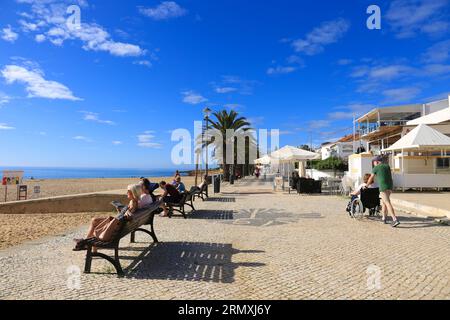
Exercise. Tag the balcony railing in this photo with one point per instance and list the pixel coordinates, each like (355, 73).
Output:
(366, 129)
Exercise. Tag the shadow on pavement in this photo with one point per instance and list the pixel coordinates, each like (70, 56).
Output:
(212, 215)
(189, 261)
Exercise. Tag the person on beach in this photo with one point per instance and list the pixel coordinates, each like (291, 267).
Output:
(257, 172)
(180, 185)
(150, 187)
(170, 195)
(147, 197)
(104, 229)
(382, 172)
(177, 174)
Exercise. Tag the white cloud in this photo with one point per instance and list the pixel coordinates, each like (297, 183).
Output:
(165, 10)
(327, 33)
(225, 89)
(348, 111)
(191, 97)
(242, 86)
(319, 124)
(145, 63)
(400, 94)
(117, 143)
(9, 35)
(439, 52)
(436, 70)
(145, 140)
(48, 18)
(82, 138)
(40, 38)
(344, 62)
(4, 98)
(4, 126)
(411, 17)
(280, 70)
(94, 117)
(35, 83)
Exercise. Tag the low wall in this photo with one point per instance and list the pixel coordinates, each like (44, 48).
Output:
(316, 174)
(93, 202)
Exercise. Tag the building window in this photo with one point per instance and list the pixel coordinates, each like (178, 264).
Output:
(443, 163)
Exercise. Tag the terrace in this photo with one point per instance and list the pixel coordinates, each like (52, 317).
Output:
(383, 126)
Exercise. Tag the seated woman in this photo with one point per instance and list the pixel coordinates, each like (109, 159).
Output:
(180, 185)
(104, 229)
(147, 197)
(170, 195)
(364, 185)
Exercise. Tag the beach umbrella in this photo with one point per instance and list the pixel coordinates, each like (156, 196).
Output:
(289, 155)
(266, 160)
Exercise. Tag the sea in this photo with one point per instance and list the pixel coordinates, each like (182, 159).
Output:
(85, 173)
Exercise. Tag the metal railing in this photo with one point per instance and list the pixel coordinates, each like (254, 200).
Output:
(375, 126)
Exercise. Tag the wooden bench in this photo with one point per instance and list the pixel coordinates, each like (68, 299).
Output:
(186, 200)
(140, 218)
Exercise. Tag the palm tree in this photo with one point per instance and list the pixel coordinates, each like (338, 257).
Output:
(229, 120)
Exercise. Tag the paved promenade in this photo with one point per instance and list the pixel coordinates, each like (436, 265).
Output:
(249, 243)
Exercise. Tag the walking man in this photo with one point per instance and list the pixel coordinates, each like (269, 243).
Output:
(383, 174)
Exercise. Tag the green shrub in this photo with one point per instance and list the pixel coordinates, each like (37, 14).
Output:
(335, 164)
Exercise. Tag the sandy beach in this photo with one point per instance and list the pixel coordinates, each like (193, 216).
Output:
(16, 229)
(62, 187)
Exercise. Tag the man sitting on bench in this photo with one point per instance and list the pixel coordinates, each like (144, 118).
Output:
(170, 195)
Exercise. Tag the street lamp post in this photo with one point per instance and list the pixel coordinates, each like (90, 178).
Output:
(207, 113)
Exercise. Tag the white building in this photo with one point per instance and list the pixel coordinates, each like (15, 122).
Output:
(341, 149)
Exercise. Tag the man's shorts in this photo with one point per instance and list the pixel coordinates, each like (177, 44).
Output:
(386, 196)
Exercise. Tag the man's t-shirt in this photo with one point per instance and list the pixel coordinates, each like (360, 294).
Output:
(172, 191)
(384, 177)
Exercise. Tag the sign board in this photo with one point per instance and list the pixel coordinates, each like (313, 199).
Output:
(11, 178)
(23, 193)
(37, 189)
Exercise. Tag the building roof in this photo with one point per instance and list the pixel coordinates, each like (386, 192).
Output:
(349, 138)
(422, 137)
(392, 113)
(432, 118)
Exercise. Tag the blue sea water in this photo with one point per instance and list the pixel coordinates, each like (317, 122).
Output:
(84, 173)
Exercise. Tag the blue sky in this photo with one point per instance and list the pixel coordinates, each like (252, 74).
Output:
(110, 93)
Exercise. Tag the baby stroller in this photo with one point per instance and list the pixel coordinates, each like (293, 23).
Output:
(368, 200)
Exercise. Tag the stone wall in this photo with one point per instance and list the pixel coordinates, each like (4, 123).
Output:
(95, 202)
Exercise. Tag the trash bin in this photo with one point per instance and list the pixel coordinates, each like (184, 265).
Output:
(216, 184)
(232, 179)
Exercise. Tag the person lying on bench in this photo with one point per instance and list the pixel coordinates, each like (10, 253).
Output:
(105, 228)
(170, 195)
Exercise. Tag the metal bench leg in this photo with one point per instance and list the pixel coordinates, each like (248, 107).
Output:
(183, 212)
(153, 234)
(192, 205)
(115, 262)
(120, 272)
(88, 262)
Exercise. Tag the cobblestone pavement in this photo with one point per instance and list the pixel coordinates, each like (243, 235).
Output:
(249, 243)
